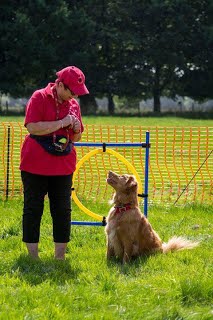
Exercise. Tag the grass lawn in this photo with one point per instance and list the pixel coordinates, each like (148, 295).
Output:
(170, 121)
(176, 286)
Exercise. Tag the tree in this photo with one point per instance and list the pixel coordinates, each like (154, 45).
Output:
(35, 46)
(168, 33)
(197, 79)
(130, 49)
(143, 48)
(104, 58)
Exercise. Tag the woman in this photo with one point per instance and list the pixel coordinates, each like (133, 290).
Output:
(48, 158)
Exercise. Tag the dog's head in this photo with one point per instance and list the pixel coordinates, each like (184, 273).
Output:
(125, 186)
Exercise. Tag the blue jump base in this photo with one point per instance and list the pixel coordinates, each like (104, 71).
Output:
(88, 223)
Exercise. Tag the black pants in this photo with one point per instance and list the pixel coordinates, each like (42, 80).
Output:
(58, 189)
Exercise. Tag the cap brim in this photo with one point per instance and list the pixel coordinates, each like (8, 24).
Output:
(80, 90)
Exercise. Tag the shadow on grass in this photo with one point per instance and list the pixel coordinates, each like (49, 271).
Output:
(130, 267)
(37, 271)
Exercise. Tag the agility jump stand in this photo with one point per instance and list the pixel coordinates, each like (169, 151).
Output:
(146, 145)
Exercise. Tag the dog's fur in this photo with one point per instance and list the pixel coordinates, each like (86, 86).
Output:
(129, 234)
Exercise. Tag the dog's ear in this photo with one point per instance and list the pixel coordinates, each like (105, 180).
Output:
(131, 183)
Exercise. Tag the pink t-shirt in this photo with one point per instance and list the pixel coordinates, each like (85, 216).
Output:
(34, 159)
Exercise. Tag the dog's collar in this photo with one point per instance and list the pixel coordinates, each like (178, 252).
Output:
(123, 208)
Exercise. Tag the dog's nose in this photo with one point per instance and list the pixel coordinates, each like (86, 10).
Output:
(110, 173)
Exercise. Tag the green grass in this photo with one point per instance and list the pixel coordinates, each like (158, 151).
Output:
(175, 286)
(162, 120)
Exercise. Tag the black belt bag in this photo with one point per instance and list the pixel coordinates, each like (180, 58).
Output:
(59, 146)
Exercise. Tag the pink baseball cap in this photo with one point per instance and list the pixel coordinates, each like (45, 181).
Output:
(74, 79)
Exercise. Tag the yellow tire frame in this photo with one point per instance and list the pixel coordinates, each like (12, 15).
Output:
(88, 156)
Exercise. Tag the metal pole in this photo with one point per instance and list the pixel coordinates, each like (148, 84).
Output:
(110, 144)
(87, 223)
(146, 178)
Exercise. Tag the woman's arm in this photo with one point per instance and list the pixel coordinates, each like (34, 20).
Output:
(46, 127)
(76, 137)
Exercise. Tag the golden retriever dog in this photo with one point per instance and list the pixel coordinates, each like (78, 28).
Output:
(128, 232)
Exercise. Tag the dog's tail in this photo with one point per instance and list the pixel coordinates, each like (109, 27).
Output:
(179, 243)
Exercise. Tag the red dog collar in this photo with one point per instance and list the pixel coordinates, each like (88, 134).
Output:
(123, 208)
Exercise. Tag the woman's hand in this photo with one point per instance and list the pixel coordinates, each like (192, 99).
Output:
(77, 126)
(68, 121)
(72, 122)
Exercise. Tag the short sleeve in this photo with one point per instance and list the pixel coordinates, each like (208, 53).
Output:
(35, 108)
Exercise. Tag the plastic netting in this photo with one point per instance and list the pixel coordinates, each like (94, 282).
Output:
(179, 156)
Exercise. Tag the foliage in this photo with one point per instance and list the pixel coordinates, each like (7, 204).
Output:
(171, 36)
(197, 78)
(130, 49)
(40, 41)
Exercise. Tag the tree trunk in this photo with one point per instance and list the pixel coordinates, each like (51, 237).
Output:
(111, 105)
(156, 101)
(88, 104)
(7, 107)
(157, 91)
(0, 103)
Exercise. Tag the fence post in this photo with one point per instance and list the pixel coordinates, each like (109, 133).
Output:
(8, 163)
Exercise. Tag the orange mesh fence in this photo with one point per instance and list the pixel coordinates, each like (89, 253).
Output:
(180, 166)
